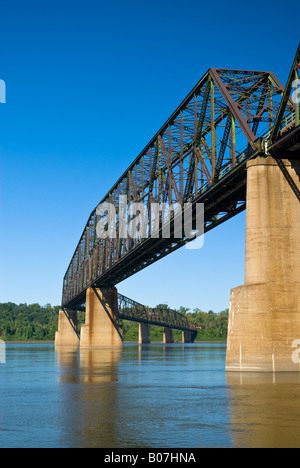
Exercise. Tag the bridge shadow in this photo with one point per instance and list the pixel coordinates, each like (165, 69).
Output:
(296, 166)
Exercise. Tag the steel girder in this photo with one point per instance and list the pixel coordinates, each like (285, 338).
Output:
(199, 155)
(285, 136)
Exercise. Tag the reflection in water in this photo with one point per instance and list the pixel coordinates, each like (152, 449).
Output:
(67, 361)
(100, 365)
(265, 409)
(92, 407)
(124, 397)
(142, 396)
(88, 365)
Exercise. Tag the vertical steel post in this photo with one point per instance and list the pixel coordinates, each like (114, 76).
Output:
(297, 96)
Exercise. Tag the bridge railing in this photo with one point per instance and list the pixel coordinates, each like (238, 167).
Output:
(288, 122)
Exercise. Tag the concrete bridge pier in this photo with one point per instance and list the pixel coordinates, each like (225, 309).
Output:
(264, 319)
(67, 333)
(186, 337)
(101, 327)
(144, 333)
(168, 335)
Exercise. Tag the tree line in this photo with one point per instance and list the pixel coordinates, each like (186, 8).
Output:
(34, 322)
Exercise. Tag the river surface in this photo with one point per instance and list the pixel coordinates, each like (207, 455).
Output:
(154, 396)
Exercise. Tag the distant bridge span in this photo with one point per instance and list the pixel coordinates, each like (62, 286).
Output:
(129, 309)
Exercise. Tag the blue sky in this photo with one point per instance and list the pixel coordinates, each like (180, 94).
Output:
(88, 85)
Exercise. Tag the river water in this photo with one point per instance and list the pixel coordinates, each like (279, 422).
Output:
(154, 396)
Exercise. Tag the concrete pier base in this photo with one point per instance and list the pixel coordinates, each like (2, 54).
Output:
(168, 335)
(101, 321)
(67, 333)
(144, 333)
(264, 327)
(264, 318)
(186, 337)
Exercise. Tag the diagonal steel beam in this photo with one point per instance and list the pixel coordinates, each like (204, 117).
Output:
(234, 108)
(285, 98)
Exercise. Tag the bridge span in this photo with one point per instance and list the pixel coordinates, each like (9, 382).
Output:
(232, 144)
(127, 309)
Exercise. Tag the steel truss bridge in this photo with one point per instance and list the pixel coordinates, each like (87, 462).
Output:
(198, 156)
(162, 317)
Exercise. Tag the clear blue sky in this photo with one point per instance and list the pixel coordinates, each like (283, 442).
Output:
(88, 84)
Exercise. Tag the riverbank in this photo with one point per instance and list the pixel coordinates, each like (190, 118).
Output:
(34, 323)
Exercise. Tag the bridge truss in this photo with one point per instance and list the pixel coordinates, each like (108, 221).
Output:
(198, 156)
(159, 316)
(284, 137)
